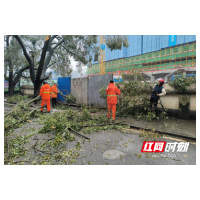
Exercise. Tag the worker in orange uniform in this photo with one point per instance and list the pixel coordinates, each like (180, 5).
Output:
(54, 94)
(45, 94)
(112, 91)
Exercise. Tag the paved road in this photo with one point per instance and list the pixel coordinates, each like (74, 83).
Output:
(112, 147)
(116, 148)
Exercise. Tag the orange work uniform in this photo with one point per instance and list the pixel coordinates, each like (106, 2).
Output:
(54, 91)
(45, 93)
(112, 91)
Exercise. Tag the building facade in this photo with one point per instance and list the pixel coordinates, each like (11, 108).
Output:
(150, 53)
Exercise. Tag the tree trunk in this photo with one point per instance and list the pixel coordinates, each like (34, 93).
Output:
(10, 78)
(37, 87)
(11, 86)
(39, 80)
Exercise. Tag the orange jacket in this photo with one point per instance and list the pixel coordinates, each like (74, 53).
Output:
(54, 91)
(45, 91)
(112, 91)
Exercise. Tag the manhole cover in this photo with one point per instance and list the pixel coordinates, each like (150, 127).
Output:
(113, 154)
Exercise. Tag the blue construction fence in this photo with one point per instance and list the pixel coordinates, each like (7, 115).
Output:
(64, 85)
(173, 76)
(85, 89)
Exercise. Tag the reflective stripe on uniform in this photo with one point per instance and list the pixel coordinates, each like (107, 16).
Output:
(46, 92)
(111, 95)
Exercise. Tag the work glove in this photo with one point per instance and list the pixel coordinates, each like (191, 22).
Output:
(40, 98)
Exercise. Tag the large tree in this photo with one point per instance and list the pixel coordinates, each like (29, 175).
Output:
(55, 52)
(14, 62)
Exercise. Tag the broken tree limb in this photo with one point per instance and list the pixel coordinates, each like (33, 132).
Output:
(65, 96)
(35, 149)
(32, 100)
(77, 133)
(8, 113)
(25, 104)
(80, 135)
(14, 104)
(67, 104)
(37, 109)
(76, 105)
(10, 104)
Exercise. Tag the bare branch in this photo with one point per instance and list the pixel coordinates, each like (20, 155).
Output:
(17, 77)
(47, 77)
(25, 76)
(51, 65)
(70, 52)
(59, 43)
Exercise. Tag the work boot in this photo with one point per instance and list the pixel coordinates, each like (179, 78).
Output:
(41, 111)
(48, 111)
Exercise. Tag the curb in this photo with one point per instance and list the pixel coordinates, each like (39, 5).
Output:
(164, 132)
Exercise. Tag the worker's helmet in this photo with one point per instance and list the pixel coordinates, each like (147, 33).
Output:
(161, 81)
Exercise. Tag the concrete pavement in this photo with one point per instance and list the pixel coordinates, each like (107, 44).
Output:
(171, 126)
(113, 147)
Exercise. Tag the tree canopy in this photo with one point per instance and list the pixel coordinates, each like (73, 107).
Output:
(52, 52)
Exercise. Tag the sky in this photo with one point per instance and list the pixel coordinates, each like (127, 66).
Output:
(73, 64)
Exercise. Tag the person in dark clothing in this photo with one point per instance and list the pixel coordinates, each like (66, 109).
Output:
(158, 91)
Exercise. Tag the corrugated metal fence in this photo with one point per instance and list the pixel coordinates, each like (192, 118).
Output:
(85, 90)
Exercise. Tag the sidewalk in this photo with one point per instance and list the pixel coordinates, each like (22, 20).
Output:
(178, 127)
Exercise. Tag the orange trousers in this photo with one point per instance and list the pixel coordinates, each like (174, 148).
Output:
(47, 101)
(113, 108)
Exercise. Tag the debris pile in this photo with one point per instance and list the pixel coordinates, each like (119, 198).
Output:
(18, 115)
(47, 144)
(16, 98)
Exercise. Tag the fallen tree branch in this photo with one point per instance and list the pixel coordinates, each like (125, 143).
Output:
(14, 162)
(7, 145)
(45, 139)
(65, 96)
(35, 149)
(36, 109)
(80, 135)
(42, 151)
(76, 105)
(32, 100)
(11, 104)
(25, 104)
(14, 103)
